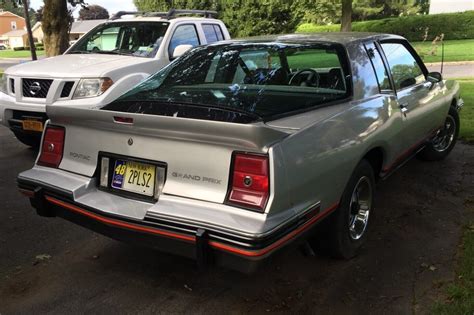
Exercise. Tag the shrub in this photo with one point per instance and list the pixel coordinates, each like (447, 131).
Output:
(452, 25)
(19, 48)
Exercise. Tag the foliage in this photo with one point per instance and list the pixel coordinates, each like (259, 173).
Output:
(165, 5)
(39, 14)
(461, 292)
(93, 12)
(15, 7)
(452, 25)
(267, 16)
(281, 16)
(318, 12)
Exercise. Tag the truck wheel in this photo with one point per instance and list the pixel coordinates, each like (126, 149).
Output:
(350, 222)
(30, 140)
(444, 141)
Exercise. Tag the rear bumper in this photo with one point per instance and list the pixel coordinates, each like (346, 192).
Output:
(206, 244)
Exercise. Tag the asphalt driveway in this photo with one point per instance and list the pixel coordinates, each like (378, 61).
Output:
(53, 266)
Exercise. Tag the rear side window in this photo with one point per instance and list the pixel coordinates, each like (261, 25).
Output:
(212, 32)
(378, 65)
(404, 68)
(183, 35)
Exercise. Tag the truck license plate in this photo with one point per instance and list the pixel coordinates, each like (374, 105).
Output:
(32, 125)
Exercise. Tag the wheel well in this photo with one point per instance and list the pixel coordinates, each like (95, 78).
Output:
(454, 102)
(375, 158)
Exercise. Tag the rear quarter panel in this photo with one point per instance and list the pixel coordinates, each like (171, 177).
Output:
(321, 158)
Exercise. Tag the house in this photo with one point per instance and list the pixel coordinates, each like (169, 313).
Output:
(10, 22)
(18, 38)
(79, 28)
(37, 31)
(450, 6)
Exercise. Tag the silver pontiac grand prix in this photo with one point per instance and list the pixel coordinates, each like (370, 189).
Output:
(237, 149)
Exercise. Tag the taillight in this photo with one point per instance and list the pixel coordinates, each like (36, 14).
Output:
(52, 148)
(250, 181)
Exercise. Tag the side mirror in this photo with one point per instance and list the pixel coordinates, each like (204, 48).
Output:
(180, 50)
(435, 77)
(407, 82)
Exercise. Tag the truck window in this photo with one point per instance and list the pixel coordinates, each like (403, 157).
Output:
(212, 32)
(404, 68)
(183, 35)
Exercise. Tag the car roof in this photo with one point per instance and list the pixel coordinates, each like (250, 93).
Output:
(328, 37)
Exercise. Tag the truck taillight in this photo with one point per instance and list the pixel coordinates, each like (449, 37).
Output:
(52, 148)
(249, 186)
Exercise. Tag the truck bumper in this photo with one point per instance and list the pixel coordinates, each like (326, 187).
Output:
(13, 114)
(209, 243)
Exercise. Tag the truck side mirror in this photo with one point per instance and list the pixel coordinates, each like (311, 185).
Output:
(435, 77)
(180, 50)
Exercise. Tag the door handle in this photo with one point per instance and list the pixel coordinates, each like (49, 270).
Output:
(404, 107)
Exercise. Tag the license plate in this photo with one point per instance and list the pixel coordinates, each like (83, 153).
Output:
(32, 125)
(134, 177)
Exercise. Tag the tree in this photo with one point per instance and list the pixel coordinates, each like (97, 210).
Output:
(346, 16)
(12, 6)
(266, 16)
(56, 23)
(318, 12)
(153, 5)
(363, 10)
(93, 12)
(39, 14)
(28, 30)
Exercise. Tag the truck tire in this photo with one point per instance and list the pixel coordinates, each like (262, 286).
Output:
(442, 144)
(350, 222)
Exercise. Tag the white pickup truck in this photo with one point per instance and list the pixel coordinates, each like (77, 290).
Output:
(102, 65)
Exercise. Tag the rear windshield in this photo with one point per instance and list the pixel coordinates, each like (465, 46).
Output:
(255, 80)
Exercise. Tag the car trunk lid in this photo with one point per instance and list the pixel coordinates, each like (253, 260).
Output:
(197, 153)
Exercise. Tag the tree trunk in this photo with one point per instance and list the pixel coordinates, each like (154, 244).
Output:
(56, 24)
(28, 29)
(346, 19)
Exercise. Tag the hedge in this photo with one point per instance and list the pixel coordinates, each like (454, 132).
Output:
(452, 25)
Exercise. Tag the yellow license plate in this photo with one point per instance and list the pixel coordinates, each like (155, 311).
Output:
(134, 177)
(32, 125)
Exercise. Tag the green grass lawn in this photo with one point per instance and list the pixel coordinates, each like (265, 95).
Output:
(467, 113)
(19, 54)
(460, 294)
(454, 50)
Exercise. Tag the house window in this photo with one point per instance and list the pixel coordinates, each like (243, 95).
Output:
(13, 25)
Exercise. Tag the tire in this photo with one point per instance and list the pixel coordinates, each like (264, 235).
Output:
(442, 144)
(30, 140)
(348, 231)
